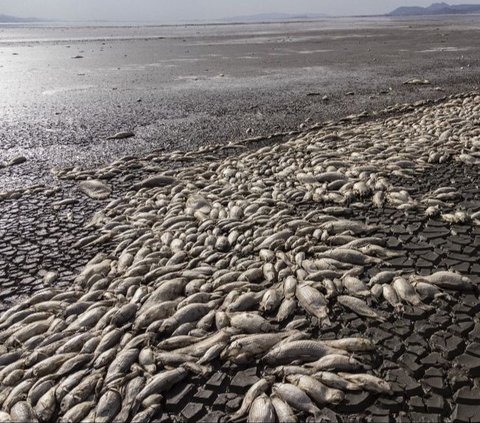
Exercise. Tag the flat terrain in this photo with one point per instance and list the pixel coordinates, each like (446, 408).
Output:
(183, 87)
(283, 236)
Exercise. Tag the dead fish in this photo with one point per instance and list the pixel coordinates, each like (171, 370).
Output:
(313, 302)
(201, 347)
(286, 309)
(212, 353)
(244, 348)
(261, 410)
(429, 291)
(108, 406)
(316, 390)
(284, 371)
(358, 306)
(77, 413)
(121, 364)
(283, 411)
(299, 351)
(339, 226)
(178, 341)
(449, 280)
(351, 344)
(368, 382)
(146, 415)
(407, 293)
(187, 314)
(74, 363)
(348, 255)
(155, 181)
(270, 300)
(80, 392)
(392, 298)
(67, 384)
(337, 362)
(161, 382)
(355, 286)
(250, 323)
(253, 392)
(295, 397)
(22, 411)
(335, 381)
(245, 302)
(45, 407)
(17, 393)
(38, 390)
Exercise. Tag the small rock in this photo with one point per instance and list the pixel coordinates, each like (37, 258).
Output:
(17, 161)
(121, 136)
(417, 82)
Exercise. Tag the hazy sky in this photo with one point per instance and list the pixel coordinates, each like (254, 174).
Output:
(184, 10)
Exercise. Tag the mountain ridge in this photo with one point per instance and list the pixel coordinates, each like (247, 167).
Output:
(16, 19)
(436, 9)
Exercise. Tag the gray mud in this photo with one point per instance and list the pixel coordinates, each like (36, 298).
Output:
(185, 87)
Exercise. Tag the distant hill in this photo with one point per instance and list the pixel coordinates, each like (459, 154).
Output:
(274, 17)
(14, 19)
(437, 9)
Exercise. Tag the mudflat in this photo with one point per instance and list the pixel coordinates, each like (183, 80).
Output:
(193, 275)
(66, 89)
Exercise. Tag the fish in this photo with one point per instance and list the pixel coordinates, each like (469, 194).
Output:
(22, 411)
(359, 307)
(368, 382)
(449, 280)
(337, 362)
(253, 392)
(334, 381)
(161, 382)
(313, 302)
(407, 293)
(299, 351)
(316, 390)
(250, 323)
(261, 410)
(108, 406)
(283, 411)
(295, 397)
(391, 296)
(358, 344)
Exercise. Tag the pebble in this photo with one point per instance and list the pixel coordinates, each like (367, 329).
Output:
(17, 160)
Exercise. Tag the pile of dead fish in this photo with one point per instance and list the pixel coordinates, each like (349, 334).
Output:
(218, 263)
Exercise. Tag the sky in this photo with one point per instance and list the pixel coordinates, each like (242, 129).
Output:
(186, 10)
